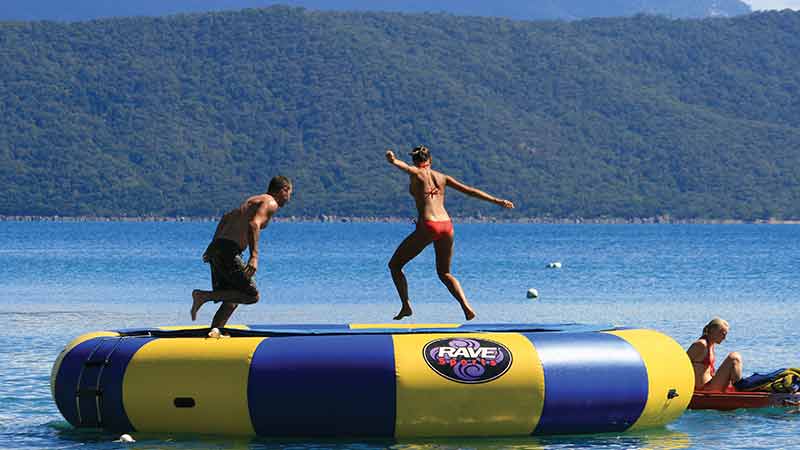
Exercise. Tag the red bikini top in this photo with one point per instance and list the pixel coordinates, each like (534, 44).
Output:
(434, 191)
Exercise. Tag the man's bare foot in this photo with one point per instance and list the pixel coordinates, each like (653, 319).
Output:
(405, 311)
(197, 302)
(216, 334)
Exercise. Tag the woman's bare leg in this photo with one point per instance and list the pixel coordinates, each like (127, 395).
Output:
(730, 371)
(411, 246)
(444, 255)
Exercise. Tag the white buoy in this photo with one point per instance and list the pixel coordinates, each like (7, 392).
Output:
(533, 293)
(554, 265)
(126, 438)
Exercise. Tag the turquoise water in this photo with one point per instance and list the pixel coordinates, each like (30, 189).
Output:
(59, 280)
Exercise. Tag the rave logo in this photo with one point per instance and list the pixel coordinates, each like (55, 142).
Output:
(467, 360)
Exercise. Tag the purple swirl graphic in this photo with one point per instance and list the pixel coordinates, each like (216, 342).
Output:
(468, 343)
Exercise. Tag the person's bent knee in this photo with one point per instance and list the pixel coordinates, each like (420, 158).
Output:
(251, 296)
(395, 266)
(444, 277)
(735, 357)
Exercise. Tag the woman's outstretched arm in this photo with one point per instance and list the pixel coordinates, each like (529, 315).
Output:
(477, 193)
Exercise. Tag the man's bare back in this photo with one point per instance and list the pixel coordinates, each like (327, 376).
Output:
(234, 225)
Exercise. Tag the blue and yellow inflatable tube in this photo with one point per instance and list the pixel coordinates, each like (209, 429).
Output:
(374, 380)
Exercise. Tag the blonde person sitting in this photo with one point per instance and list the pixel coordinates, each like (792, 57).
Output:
(701, 353)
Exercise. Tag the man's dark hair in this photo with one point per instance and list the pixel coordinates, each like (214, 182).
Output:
(277, 183)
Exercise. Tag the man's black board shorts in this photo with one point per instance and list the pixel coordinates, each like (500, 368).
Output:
(227, 268)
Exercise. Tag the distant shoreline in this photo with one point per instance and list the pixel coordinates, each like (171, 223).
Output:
(375, 219)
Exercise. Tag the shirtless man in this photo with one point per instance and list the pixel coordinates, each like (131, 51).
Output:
(231, 280)
(701, 353)
(427, 187)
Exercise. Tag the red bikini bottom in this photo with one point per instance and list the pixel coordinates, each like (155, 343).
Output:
(437, 229)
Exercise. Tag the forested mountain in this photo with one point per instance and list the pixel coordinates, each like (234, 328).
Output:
(515, 9)
(635, 117)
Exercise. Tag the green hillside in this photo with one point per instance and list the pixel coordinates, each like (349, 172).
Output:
(512, 9)
(184, 115)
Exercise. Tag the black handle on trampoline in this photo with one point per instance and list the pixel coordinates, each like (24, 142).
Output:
(672, 394)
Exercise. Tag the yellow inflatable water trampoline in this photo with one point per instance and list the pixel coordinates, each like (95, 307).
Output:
(374, 380)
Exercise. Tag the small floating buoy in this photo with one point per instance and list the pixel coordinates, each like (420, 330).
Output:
(554, 265)
(533, 293)
(127, 438)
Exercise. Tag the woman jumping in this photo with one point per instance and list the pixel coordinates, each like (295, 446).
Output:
(433, 225)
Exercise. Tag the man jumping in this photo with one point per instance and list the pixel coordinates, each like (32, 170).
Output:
(231, 280)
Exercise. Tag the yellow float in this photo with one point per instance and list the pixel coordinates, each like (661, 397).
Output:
(374, 380)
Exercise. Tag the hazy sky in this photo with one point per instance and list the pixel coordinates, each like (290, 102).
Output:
(773, 4)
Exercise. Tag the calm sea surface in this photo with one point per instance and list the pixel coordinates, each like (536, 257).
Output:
(59, 280)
